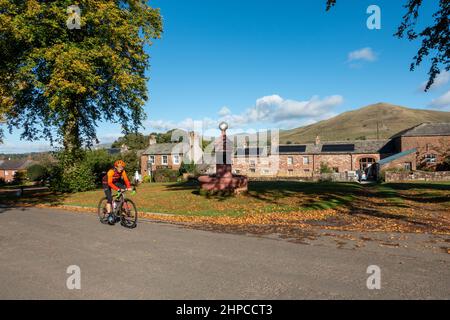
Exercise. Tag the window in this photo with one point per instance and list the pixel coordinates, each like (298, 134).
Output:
(165, 160)
(151, 160)
(252, 170)
(176, 159)
(430, 158)
(407, 166)
(252, 163)
(290, 172)
(290, 160)
(336, 169)
(6, 173)
(306, 170)
(364, 163)
(305, 160)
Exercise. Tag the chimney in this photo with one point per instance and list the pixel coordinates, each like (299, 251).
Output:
(317, 140)
(152, 140)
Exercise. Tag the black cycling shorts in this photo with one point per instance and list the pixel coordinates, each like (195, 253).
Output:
(108, 190)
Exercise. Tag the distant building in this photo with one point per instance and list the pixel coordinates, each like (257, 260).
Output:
(305, 160)
(170, 155)
(425, 145)
(8, 168)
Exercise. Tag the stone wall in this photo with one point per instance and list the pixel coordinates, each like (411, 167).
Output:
(417, 176)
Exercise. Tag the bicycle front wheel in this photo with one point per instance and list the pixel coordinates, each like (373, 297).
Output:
(128, 214)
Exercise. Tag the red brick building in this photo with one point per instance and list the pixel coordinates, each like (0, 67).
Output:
(8, 168)
(431, 142)
(305, 160)
(425, 145)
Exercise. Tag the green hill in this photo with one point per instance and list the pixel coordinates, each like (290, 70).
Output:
(362, 123)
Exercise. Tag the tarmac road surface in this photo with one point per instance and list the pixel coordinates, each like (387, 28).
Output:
(165, 261)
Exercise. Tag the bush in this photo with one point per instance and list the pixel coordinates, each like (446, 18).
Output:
(146, 179)
(37, 172)
(132, 161)
(187, 168)
(2, 182)
(99, 162)
(19, 177)
(324, 168)
(165, 175)
(71, 175)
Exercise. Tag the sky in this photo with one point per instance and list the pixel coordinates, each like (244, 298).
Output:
(263, 64)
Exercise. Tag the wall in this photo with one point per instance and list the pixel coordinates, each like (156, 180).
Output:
(279, 167)
(417, 176)
(437, 145)
(7, 175)
(400, 163)
(158, 163)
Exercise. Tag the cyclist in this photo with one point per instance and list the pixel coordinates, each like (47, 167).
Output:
(115, 179)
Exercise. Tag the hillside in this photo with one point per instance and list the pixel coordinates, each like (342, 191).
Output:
(362, 124)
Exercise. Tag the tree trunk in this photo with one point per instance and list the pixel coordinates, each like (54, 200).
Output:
(71, 136)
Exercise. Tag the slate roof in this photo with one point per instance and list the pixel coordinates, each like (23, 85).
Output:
(15, 164)
(396, 156)
(426, 129)
(160, 148)
(359, 146)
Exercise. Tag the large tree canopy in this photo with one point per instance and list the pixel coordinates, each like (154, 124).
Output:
(435, 38)
(58, 83)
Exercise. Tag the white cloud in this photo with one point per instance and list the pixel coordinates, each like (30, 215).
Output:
(364, 54)
(224, 111)
(442, 102)
(441, 80)
(270, 111)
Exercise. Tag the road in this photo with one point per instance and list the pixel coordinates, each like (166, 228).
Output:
(165, 261)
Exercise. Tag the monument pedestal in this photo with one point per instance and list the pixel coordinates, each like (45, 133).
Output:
(223, 179)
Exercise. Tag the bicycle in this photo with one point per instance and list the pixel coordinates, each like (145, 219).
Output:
(123, 210)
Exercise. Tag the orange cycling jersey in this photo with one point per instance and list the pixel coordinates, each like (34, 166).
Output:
(113, 176)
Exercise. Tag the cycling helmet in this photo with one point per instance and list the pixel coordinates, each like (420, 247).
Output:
(119, 163)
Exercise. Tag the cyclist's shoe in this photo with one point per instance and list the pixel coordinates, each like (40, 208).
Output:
(111, 220)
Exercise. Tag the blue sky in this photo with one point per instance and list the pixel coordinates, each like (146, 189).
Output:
(274, 64)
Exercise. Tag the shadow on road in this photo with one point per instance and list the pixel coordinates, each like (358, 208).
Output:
(13, 199)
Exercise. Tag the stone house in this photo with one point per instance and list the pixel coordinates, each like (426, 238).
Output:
(170, 155)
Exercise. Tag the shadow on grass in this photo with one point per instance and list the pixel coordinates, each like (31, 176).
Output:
(13, 199)
(444, 186)
(319, 195)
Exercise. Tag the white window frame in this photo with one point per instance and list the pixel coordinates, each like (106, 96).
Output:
(176, 156)
(6, 173)
(290, 161)
(162, 160)
(430, 158)
(305, 160)
(151, 159)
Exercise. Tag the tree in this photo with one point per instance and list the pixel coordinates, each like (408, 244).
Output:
(58, 82)
(134, 141)
(435, 38)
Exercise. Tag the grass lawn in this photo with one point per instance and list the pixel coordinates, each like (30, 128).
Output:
(404, 206)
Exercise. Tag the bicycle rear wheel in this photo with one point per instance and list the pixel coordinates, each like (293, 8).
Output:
(102, 212)
(128, 214)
